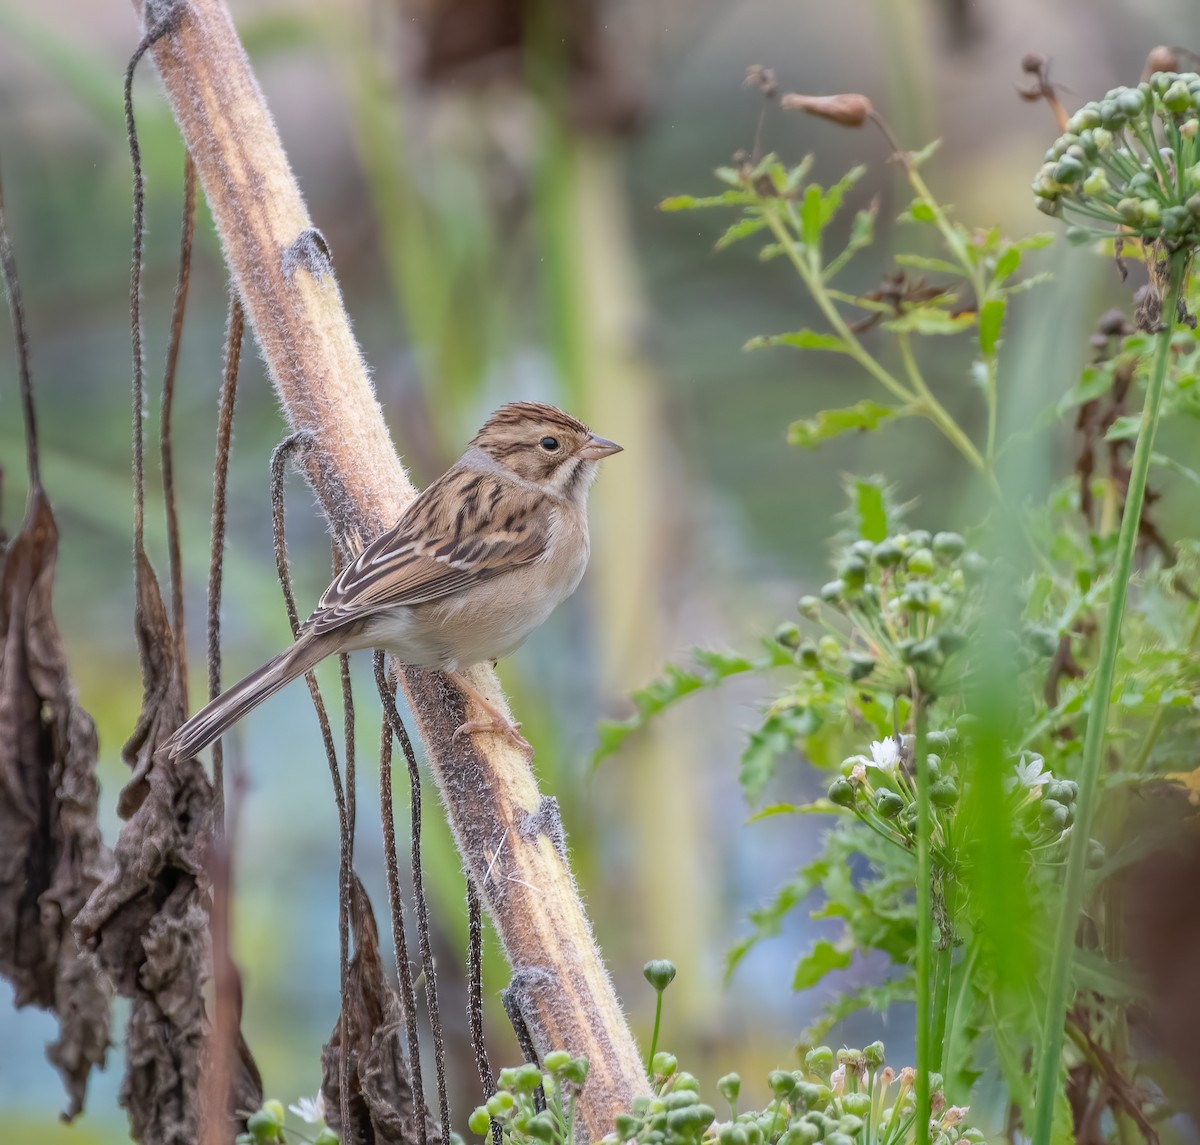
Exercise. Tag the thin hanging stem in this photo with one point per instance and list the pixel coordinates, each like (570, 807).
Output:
(475, 1000)
(1058, 990)
(234, 330)
(21, 337)
(165, 443)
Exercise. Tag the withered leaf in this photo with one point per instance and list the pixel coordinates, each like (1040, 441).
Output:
(51, 853)
(149, 919)
(382, 1109)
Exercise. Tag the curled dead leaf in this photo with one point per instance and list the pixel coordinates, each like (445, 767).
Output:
(848, 109)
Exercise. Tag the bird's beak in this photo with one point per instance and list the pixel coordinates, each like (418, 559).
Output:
(598, 447)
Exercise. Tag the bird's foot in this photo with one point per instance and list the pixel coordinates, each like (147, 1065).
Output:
(501, 725)
(496, 720)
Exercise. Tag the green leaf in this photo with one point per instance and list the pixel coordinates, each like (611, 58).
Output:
(878, 998)
(822, 957)
(991, 318)
(811, 217)
(836, 193)
(930, 320)
(1124, 428)
(863, 416)
(1094, 382)
(694, 203)
(921, 212)
(937, 265)
(871, 507)
(1038, 241)
(1007, 264)
(767, 919)
(801, 339)
(916, 158)
(740, 230)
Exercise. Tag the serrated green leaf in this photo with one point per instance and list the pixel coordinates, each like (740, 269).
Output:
(740, 230)
(694, 203)
(864, 416)
(767, 919)
(800, 339)
(836, 193)
(991, 319)
(1124, 428)
(878, 998)
(930, 320)
(1038, 241)
(822, 958)
(1094, 382)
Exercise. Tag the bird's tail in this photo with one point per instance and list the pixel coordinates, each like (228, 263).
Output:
(215, 718)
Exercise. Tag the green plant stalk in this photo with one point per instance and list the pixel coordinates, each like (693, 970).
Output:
(1093, 747)
(654, 1036)
(924, 921)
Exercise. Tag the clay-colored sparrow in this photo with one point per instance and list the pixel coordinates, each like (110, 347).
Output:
(474, 565)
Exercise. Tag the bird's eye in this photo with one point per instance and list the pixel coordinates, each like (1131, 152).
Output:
(549, 444)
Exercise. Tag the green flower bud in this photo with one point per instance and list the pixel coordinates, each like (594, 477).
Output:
(479, 1121)
(1130, 210)
(788, 634)
(628, 1126)
(937, 741)
(796, 1136)
(808, 656)
(262, 1126)
(1096, 183)
(920, 539)
(660, 973)
(275, 1109)
(831, 592)
(1068, 170)
(541, 1126)
(886, 554)
(1078, 236)
(557, 1060)
(889, 804)
(1111, 116)
(852, 1122)
(950, 641)
(739, 1136)
(1193, 206)
(1189, 127)
(949, 545)
(528, 1078)
(819, 1060)
(838, 1139)
(808, 1095)
(933, 766)
(920, 562)
(1151, 213)
(853, 572)
(1101, 138)
(841, 793)
(810, 607)
(973, 1136)
(664, 1064)
(499, 1103)
(1053, 814)
(861, 666)
(916, 596)
(576, 1071)
(678, 1100)
(1096, 853)
(1086, 117)
(729, 1087)
(874, 1052)
(1131, 101)
(863, 549)
(781, 1082)
(1051, 207)
(829, 648)
(326, 1136)
(944, 793)
(1177, 98)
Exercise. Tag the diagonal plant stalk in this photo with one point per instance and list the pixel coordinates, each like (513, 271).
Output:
(509, 836)
(924, 968)
(1058, 990)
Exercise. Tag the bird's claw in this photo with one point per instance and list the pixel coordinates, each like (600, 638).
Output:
(510, 729)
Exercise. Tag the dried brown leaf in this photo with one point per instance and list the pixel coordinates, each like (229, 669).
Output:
(848, 109)
(382, 1109)
(51, 853)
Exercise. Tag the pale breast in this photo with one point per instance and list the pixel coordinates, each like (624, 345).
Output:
(491, 619)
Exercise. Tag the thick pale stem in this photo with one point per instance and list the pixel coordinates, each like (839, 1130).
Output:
(509, 835)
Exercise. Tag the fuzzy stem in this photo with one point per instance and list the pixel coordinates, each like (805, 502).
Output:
(509, 836)
(1057, 994)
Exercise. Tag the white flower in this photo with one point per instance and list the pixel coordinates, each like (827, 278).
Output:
(1029, 772)
(885, 755)
(837, 1080)
(310, 1109)
(859, 773)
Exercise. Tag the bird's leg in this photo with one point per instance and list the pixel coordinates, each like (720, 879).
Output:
(497, 721)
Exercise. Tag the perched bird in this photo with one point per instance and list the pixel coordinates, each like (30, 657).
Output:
(475, 564)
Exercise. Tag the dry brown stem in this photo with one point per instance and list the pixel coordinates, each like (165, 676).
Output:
(509, 835)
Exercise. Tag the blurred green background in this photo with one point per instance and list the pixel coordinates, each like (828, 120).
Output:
(488, 180)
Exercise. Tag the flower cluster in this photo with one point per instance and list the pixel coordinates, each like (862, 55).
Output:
(266, 1125)
(912, 598)
(520, 1091)
(1130, 160)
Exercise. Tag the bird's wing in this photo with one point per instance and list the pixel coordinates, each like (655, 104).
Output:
(467, 527)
